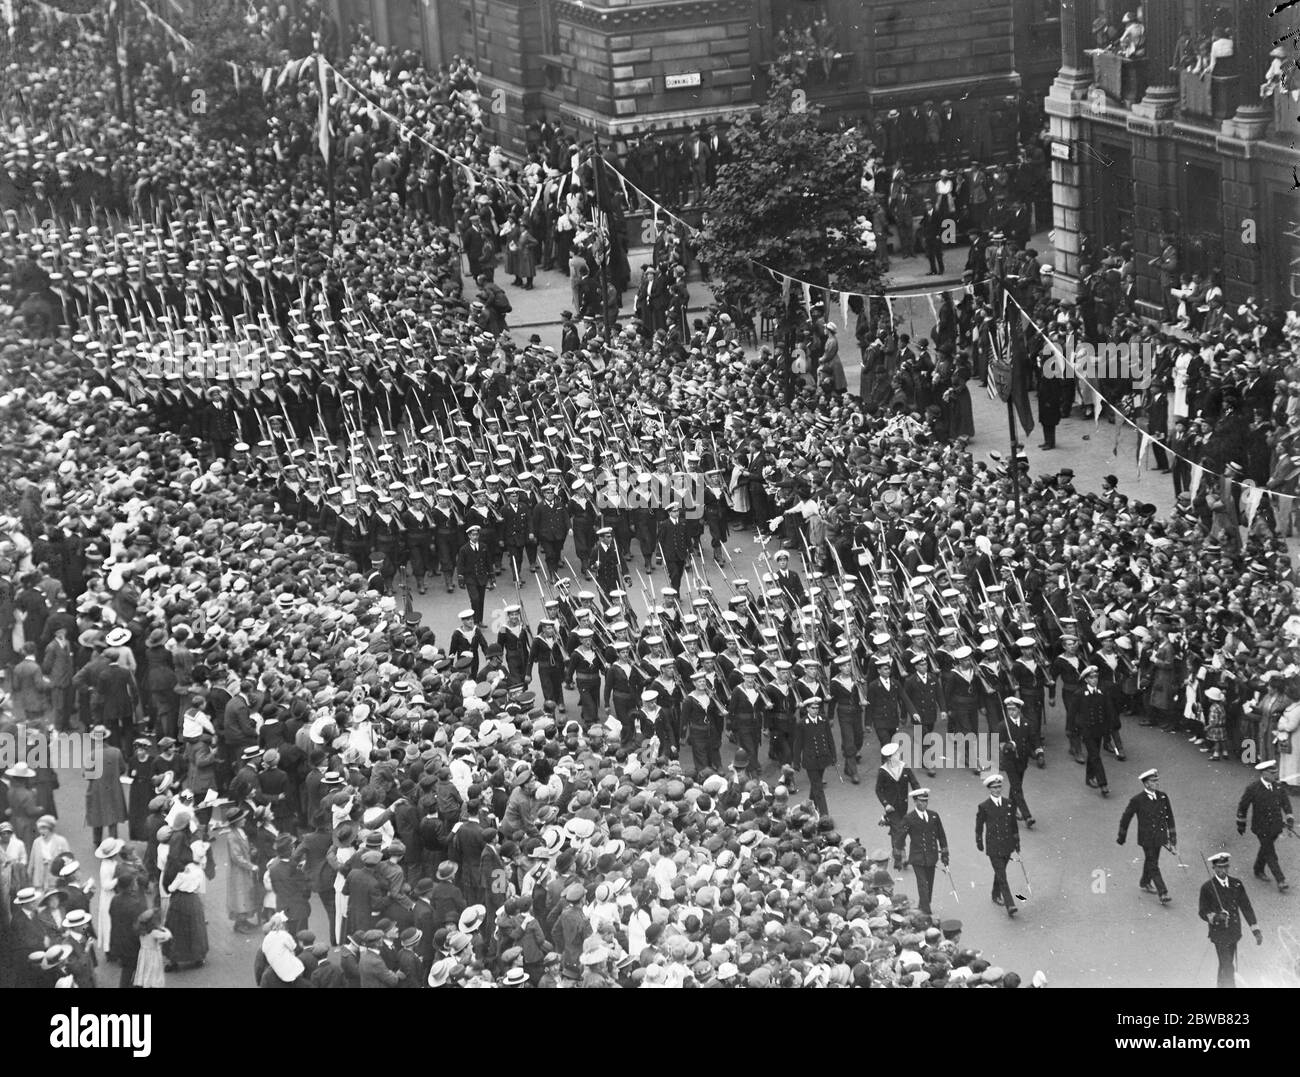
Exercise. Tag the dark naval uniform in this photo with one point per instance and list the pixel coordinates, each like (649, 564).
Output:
(1223, 903)
(998, 835)
(1155, 816)
(927, 847)
(1271, 814)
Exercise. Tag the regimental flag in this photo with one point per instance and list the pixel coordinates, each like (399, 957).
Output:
(1020, 376)
(323, 119)
(600, 219)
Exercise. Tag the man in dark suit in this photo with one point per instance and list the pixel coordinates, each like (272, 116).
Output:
(927, 845)
(292, 889)
(474, 568)
(1054, 396)
(932, 237)
(998, 835)
(27, 933)
(1222, 905)
(674, 544)
(1272, 813)
(788, 580)
(364, 891)
(550, 524)
(410, 964)
(1096, 719)
(1155, 816)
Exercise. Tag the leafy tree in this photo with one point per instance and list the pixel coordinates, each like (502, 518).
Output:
(222, 35)
(791, 200)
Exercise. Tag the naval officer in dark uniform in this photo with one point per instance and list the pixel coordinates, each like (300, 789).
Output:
(1223, 904)
(1155, 816)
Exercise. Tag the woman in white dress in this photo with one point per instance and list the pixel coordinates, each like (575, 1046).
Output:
(47, 848)
(342, 851)
(1287, 745)
(1181, 366)
(109, 855)
(150, 968)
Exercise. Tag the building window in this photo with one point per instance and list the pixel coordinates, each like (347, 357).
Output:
(1285, 277)
(1202, 220)
(1113, 184)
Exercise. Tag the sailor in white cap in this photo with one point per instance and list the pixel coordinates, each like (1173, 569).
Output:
(962, 691)
(927, 845)
(702, 720)
(998, 835)
(516, 641)
(1266, 801)
(1156, 830)
(894, 781)
(1029, 679)
(468, 638)
(747, 715)
(1223, 904)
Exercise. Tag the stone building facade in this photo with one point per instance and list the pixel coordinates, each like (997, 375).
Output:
(1145, 151)
(615, 65)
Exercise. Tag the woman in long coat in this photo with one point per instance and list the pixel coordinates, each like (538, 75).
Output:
(105, 802)
(961, 417)
(526, 256)
(241, 881)
(202, 774)
(142, 791)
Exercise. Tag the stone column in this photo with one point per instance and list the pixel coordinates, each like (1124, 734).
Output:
(1253, 38)
(379, 17)
(1164, 22)
(1066, 108)
(1076, 37)
(432, 18)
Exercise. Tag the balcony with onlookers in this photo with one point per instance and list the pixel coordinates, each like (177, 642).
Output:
(1281, 89)
(1119, 59)
(1208, 75)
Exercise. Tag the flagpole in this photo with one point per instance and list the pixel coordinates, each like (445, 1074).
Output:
(334, 217)
(325, 137)
(597, 163)
(1015, 456)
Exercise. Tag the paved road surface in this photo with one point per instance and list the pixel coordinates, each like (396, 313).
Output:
(1086, 923)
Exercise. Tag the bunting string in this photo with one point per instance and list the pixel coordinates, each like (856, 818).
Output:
(410, 132)
(1147, 439)
(787, 281)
